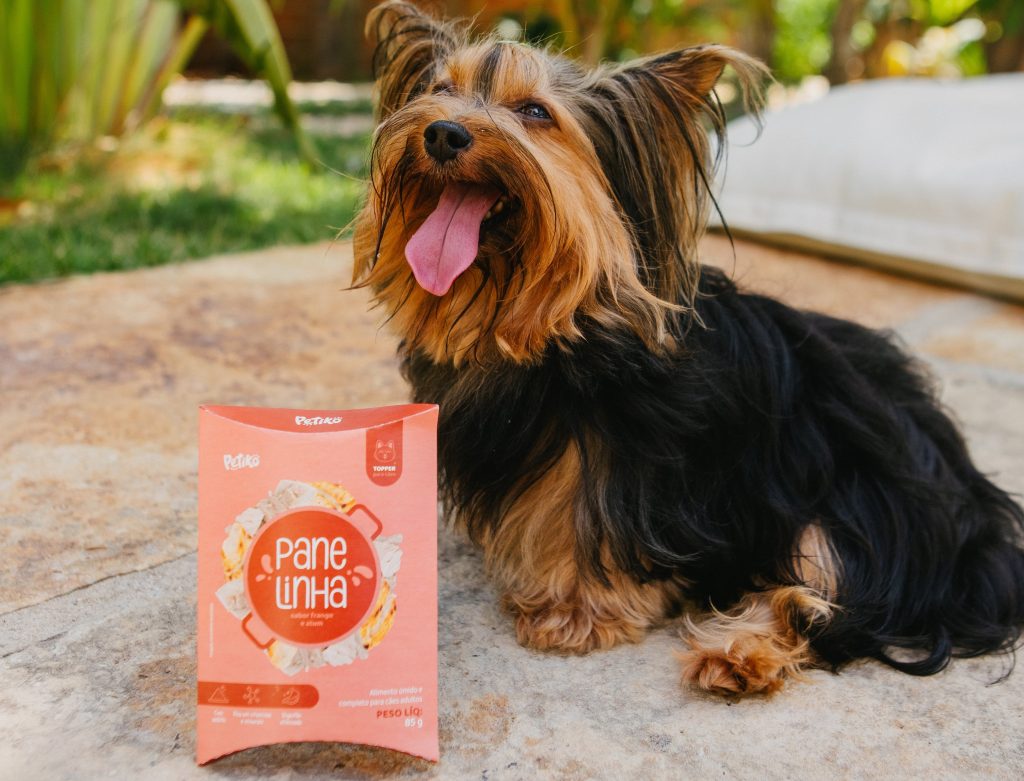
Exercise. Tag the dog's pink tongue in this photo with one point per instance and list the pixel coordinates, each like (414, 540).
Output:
(446, 243)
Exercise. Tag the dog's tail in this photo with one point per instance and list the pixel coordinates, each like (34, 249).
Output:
(940, 566)
(982, 610)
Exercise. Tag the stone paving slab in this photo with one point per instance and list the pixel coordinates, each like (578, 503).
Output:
(100, 378)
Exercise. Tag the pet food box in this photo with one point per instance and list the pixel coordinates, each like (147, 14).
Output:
(317, 600)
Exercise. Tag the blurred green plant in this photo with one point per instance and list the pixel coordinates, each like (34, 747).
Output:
(189, 184)
(852, 39)
(874, 38)
(249, 27)
(76, 70)
(595, 30)
(842, 39)
(802, 45)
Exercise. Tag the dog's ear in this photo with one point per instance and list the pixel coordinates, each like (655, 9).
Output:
(648, 121)
(408, 44)
(690, 74)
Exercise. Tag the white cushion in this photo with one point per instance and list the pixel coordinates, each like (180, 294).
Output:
(928, 172)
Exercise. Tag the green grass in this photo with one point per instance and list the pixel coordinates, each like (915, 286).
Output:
(336, 108)
(186, 187)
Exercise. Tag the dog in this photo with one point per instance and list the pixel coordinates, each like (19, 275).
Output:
(628, 437)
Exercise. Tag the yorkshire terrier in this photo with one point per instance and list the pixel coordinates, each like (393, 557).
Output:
(623, 431)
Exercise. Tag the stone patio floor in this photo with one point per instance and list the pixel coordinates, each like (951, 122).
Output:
(100, 378)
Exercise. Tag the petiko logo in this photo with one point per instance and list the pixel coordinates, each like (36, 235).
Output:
(241, 461)
(301, 420)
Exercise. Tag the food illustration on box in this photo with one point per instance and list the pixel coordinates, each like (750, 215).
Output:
(339, 589)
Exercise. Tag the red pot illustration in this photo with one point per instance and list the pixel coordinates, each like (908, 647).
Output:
(311, 576)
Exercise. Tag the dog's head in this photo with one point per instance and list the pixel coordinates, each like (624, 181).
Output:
(515, 194)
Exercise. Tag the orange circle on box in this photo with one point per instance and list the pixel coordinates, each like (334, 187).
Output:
(311, 576)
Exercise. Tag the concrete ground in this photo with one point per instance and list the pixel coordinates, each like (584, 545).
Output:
(100, 378)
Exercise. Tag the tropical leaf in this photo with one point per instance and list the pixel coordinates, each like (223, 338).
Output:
(248, 27)
(36, 72)
(75, 69)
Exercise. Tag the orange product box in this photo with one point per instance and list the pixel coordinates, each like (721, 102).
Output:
(317, 601)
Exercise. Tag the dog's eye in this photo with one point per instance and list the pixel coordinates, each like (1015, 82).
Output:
(534, 111)
(442, 88)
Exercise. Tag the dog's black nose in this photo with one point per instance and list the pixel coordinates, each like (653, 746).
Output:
(443, 140)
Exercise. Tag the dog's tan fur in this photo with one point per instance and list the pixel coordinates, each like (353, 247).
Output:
(754, 646)
(532, 557)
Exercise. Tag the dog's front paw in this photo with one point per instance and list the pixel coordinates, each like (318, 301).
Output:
(753, 648)
(572, 628)
(751, 665)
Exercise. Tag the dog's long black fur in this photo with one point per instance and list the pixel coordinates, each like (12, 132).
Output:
(708, 465)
